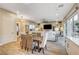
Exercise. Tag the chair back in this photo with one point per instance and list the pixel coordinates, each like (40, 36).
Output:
(29, 42)
(26, 41)
(23, 41)
(44, 40)
(38, 34)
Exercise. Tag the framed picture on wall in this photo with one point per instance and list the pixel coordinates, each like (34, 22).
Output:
(17, 28)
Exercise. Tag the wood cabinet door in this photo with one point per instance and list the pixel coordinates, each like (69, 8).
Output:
(73, 48)
(67, 45)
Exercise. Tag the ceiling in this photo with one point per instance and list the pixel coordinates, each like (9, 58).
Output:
(39, 12)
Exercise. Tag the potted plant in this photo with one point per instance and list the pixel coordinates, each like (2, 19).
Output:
(77, 24)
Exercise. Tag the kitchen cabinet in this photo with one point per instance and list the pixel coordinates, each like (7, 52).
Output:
(71, 47)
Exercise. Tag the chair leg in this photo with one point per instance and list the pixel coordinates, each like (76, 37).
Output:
(46, 46)
(21, 47)
(25, 48)
(43, 50)
(39, 49)
(32, 51)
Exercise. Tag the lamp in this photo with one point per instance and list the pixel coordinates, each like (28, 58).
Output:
(56, 29)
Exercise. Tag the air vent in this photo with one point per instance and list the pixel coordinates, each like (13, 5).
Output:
(61, 5)
(45, 21)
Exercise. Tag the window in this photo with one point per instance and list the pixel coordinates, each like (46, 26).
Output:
(65, 28)
(69, 27)
(76, 26)
(72, 26)
(31, 27)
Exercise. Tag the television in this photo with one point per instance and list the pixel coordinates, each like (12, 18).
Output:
(47, 26)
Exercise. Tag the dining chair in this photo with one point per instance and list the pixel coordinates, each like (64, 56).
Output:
(26, 42)
(36, 41)
(23, 41)
(43, 45)
(29, 42)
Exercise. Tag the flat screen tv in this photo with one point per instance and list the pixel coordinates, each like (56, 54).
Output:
(47, 26)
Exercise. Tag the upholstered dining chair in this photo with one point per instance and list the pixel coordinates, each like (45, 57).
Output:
(29, 42)
(43, 45)
(26, 42)
(36, 41)
(23, 41)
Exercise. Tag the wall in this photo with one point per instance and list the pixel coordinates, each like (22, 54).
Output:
(53, 23)
(7, 26)
(22, 23)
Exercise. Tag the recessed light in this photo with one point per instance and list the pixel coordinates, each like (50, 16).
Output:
(57, 14)
(17, 12)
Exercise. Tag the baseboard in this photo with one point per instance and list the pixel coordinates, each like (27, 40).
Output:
(6, 39)
(3, 43)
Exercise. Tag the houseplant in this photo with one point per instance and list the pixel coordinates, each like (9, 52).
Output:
(77, 24)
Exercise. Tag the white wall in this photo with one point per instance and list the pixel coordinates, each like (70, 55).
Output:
(7, 26)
